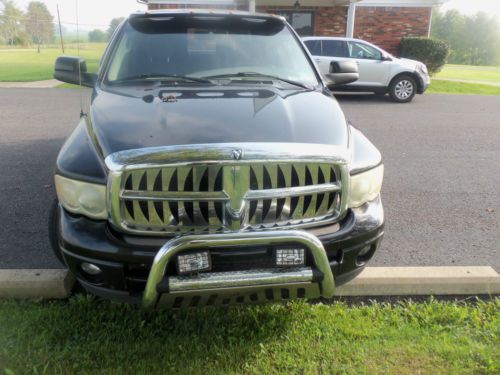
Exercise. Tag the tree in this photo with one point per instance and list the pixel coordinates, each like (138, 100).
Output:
(484, 40)
(97, 36)
(39, 23)
(115, 22)
(472, 39)
(11, 23)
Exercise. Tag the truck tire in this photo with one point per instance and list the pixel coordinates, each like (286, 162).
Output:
(403, 88)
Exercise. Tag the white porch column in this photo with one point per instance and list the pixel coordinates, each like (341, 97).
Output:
(251, 6)
(351, 17)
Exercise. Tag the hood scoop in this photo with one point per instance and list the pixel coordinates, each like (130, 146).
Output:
(169, 96)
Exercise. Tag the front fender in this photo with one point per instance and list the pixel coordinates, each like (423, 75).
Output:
(78, 158)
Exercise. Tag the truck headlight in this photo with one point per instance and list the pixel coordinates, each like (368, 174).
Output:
(365, 187)
(82, 197)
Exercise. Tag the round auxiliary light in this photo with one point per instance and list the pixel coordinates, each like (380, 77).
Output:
(91, 269)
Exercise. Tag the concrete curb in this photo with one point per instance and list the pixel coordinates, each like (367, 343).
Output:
(47, 284)
(373, 281)
(487, 83)
(47, 84)
(415, 281)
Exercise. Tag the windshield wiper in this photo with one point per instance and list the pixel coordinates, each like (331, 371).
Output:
(257, 75)
(161, 77)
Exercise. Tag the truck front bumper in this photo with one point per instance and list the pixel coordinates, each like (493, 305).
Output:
(139, 270)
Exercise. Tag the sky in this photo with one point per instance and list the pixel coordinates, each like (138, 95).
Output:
(92, 14)
(473, 6)
(98, 13)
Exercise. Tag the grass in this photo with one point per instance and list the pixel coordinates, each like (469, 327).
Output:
(471, 73)
(25, 65)
(67, 86)
(90, 336)
(450, 87)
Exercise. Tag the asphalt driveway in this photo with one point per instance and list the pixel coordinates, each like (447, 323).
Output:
(441, 192)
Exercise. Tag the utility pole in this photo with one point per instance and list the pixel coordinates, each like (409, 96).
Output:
(60, 28)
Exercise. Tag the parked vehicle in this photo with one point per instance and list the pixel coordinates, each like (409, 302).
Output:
(379, 71)
(213, 166)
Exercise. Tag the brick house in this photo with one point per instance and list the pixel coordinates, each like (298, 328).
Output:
(382, 22)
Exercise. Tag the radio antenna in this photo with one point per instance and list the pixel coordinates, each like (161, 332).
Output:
(79, 65)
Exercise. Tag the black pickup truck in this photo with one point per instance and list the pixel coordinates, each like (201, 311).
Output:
(213, 166)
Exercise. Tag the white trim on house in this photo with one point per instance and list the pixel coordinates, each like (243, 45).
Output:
(370, 3)
(304, 3)
(400, 3)
(351, 18)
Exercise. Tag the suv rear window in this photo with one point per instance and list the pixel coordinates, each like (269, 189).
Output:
(314, 46)
(334, 48)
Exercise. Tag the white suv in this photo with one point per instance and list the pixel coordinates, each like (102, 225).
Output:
(379, 71)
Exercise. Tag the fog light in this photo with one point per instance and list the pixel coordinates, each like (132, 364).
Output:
(286, 257)
(91, 269)
(365, 250)
(195, 262)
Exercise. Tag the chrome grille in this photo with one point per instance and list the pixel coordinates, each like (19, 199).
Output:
(203, 196)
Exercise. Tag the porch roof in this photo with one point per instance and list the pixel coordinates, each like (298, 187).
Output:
(326, 3)
(305, 3)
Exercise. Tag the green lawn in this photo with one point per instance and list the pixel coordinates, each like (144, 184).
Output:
(24, 65)
(471, 73)
(449, 87)
(90, 336)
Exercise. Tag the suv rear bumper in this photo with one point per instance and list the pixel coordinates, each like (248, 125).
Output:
(134, 268)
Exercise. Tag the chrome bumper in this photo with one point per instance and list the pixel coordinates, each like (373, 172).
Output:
(219, 280)
(298, 282)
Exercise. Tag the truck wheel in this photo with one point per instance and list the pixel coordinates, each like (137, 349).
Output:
(403, 89)
(53, 238)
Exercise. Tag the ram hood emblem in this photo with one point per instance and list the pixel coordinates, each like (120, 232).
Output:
(237, 154)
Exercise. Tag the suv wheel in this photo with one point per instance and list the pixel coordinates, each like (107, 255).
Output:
(403, 89)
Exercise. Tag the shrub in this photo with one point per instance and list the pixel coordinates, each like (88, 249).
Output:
(432, 52)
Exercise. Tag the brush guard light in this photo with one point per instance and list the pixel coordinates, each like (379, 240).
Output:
(290, 257)
(193, 263)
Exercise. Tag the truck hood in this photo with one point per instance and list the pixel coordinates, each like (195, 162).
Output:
(132, 118)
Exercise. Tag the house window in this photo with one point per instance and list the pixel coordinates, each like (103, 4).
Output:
(302, 22)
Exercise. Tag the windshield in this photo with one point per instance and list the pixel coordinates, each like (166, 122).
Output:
(192, 46)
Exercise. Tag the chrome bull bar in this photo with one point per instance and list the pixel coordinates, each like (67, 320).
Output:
(186, 243)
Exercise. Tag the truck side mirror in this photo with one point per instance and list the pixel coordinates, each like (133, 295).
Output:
(68, 69)
(342, 73)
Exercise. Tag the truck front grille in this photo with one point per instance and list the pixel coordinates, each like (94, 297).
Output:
(226, 196)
